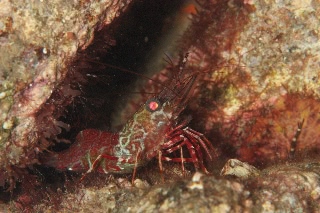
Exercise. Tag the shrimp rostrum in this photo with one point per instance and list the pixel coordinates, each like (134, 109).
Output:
(152, 132)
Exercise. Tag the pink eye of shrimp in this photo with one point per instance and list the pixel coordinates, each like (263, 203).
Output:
(153, 105)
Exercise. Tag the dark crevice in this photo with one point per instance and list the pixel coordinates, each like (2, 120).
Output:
(97, 82)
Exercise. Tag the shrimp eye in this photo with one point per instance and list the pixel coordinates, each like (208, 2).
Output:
(153, 105)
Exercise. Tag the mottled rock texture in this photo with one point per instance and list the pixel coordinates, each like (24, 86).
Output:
(38, 38)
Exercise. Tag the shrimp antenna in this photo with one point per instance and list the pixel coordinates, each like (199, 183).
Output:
(168, 59)
(179, 87)
(131, 72)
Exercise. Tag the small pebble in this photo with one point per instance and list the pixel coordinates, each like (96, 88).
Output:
(196, 182)
(8, 124)
(3, 95)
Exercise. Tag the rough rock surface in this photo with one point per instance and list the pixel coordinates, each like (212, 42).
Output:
(283, 188)
(37, 40)
(264, 83)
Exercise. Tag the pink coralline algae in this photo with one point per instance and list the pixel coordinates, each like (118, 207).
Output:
(264, 135)
(258, 83)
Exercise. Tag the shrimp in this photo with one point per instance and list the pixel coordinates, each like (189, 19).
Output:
(152, 132)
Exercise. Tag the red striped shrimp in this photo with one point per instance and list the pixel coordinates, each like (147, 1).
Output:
(152, 132)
